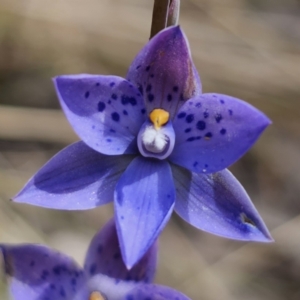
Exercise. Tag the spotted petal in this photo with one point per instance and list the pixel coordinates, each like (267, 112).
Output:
(217, 203)
(144, 200)
(213, 131)
(154, 292)
(104, 257)
(78, 177)
(105, 111)
(164, 73)
(38, 272)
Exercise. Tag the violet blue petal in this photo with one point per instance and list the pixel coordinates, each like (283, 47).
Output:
(38, 272)
(217, 203)
(164, 73)
(104, 257)
(154, 292)
(78, 177)
(144, 200)
(213, 131)
(105, 111)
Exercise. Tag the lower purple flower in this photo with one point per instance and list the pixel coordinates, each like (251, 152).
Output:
(39, 273)
(153, 143)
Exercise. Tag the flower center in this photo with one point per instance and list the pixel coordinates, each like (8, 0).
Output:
(156, 137)
(159, 117)
(97, 296)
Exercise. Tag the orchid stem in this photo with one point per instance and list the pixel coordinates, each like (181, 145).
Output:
(173, 13)
(159, 16)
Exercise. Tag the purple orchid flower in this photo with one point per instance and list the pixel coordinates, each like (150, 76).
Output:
(39, 273)
(153, 143)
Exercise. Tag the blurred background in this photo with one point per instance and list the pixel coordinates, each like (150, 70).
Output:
(246, 48)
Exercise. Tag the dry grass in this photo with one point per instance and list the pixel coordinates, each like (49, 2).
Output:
(249, 49)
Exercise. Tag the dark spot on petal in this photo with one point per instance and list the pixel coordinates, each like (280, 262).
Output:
(115, 116)
(44, 275)
(189, 118)
(181, 115)
(169, 97)
(218, 118)
(195, 164)
(175, 88)
(117, 255)
(198, 104)
(190, 139)
(101, 106)
(108, 140)
(201, 125)
(52, 286)
(147, 68)
(99, 248)
(143, 110)
(125, 112)
(206, 114)
(150, 97)
(97, 84)
(128, 100)
(62, 292)
(140, 88)
(114, 96)
(132, 101)
(112, 84)
(222, 101)
(188, 130)
(138, 67)
(109, 102)
(148, 88)
(152, 75)
(56, 270)
(124, 99)
(208, 136)
(223, 131)
(230, 112)
(112, 130)
(93, 269)
(87, 94)
(73, 281)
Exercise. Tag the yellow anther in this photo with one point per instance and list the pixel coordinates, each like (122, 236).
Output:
(159, 117)
(96, 296)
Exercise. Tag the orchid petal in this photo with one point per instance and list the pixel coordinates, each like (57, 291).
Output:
(39, 273)
(154, 292)
(213, 131)
(217, 203)
(105, 111)
(144, 200)
(164, 73)
(76, 178)
(104, 257)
